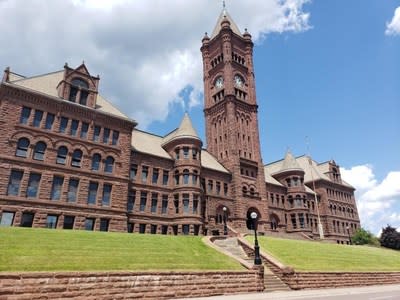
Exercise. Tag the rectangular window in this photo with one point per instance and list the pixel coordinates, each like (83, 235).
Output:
(63, 124)
(104, 223)
(106, 135)
(195, 204)
(72, 189)
(145, 173)
(164, 206)
(49, 121)
(115, 137)
(72, 94)
(164, 229)
(106, 195)
(293, 219)
(165, 177)
(142, 228)
(185, 152)
(89, 224)
(37, 119)
(176, 203)
(185, 203)
(27, 219)
(133, 172)
(69, 222)
(74, 127)
(84, 96)
(56, 187)
(93, 186)
(7, 218)
(154, 201)
(33, 185)
(51, 221)
(25, 114)
(14, 183)
(185, 229)
(194, 153)
(153, 229)
(225, 189)
(96, 133)
(131, 227)
(143, 200)
(210, 186)
(155, 176)
(84, 130)
(131, 200)
(218, 187)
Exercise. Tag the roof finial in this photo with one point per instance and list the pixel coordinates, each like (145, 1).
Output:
(224, 7)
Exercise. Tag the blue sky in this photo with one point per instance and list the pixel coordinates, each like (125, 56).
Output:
(324, 69)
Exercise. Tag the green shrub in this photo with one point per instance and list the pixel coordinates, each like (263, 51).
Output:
(390, 238)
(364, 237)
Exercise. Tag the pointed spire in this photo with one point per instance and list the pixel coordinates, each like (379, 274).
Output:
(290, 163)
(185, 130)
(224, 17)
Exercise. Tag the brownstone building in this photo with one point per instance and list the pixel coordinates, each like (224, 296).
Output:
(71, 160)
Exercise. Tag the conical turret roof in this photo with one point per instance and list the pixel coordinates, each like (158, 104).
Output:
(185, 130)
(224, 16)
(290, 163)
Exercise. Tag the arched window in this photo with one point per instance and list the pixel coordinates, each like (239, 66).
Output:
(76, 158)
(62, 155)
(176, 177)
(40, 150)
(22, 147)
(186, 176)
(109, 164)
(79, 83)
(298, 201)
(252, 192)
(96, 159)
(244, 191)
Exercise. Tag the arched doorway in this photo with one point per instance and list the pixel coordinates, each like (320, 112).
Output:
(249, 220)
(274, 222)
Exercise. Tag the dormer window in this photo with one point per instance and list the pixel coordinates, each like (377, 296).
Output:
(79, 91)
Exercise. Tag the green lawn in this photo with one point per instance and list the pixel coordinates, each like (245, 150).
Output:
(27, 249)
(318, 256)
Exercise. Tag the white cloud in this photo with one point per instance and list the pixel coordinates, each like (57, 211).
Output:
(146, 51)
(378, 202)
(393, 28)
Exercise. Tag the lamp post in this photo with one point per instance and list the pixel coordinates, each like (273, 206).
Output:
(257, 259)
(348, 233)
(225, 217)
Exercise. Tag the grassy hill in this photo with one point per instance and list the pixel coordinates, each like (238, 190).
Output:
(27, 249)
(319, 256)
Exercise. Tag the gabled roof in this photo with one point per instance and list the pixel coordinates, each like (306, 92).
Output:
(185, 130)
(47, 84)
(224, 15)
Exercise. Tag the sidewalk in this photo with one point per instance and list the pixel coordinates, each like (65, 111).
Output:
(393, 289)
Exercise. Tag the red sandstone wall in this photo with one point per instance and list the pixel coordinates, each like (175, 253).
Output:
(127, 285)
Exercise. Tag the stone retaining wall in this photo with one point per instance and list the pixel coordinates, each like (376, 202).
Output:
(313, 280)
(127, 285)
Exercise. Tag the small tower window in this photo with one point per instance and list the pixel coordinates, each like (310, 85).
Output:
(78, 91)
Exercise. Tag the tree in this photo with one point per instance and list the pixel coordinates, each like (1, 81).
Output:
(363, 237)
(390, 238)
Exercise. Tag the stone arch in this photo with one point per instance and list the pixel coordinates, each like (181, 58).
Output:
(274, 221)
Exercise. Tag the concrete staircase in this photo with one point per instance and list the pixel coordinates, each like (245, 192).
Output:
(271, 281)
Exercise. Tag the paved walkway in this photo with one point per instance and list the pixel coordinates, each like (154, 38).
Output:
(377, 292)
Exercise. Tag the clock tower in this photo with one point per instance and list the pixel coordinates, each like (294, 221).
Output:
(230, 110)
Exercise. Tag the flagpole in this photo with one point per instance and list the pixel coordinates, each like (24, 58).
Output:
(320, 228)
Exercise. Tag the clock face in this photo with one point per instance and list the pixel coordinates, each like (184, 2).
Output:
(219, 82)
(238, 80)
